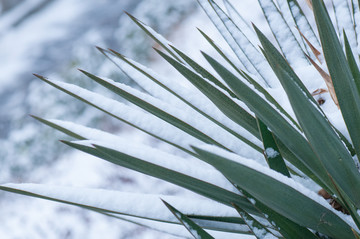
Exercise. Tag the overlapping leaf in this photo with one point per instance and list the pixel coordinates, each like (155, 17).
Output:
(288, 135)
(279, 193)
(333, 155)
(122, 204)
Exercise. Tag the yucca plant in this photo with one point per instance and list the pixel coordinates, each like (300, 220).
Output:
(302, 180)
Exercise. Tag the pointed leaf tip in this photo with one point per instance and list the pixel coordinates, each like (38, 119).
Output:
(131, 16)
(113, 52)
(100, 49)
(195, 230)
(39, 76)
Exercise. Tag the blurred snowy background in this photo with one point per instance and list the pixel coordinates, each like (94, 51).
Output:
(54, 38)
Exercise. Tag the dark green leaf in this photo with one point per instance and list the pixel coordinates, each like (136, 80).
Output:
(288, 135)
(154, 110)
(279, 196)
(57, 127)
(249, 79)
(223, 102)
(226, 224)
(352, 62)
(271, 150)
(203, 72)
(340, 72)
(196, 231)
(287, 228)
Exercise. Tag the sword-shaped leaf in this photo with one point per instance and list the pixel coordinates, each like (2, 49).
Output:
(327, 145)
(155, 36)
(156, 107)
(282, 33)
(249, 79)
(271, 150)
(195, 230)
(221, 100)
(198, 186)
(117, 204)
(288, 135)
(136, 118)
(303, 25)
(340, 72)
(352, 62)
(278, 192)
(287, 228)
(202, 71)
(196, 101)
(245, 51)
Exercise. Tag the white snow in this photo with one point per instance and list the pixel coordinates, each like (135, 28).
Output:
(288, 43)
(134, 204)
(345, 22)
(47, 27)
(271, 153)
(189, 166)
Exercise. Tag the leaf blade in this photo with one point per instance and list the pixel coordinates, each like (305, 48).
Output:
(271, 150)
(345, 88)
(195, 230)
(281, 197)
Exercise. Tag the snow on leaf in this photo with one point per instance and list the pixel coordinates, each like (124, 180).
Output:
(143, 78)
(134, 117)
(304, 26)
(194, 108)
(271, 153)
(189, 166)
(156, 36)
(249, 56)
(280, 178)
(283, 34)
(134, 204)
(191, 118)
(241, 22)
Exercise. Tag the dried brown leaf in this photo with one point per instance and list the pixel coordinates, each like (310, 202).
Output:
(319, 91)
(327, 79)
(316, 52)
(309, 3)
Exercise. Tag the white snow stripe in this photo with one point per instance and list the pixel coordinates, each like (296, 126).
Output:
(191, 117)
(137, 118)
(135, 204)
(283, 34)
(190, 166)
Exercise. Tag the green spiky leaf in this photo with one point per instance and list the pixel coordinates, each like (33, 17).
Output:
(194, 229)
